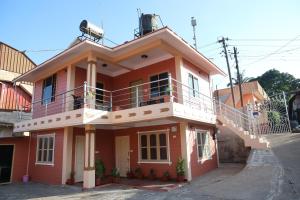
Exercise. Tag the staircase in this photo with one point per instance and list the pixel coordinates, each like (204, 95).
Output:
(240, 123)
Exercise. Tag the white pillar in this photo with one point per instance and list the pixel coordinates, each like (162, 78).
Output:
(178, 70)
(186, 149)
(91, 80)
(67, 154)
(89, 157)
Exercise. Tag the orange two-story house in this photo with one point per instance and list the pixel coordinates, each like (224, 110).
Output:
(143, 104)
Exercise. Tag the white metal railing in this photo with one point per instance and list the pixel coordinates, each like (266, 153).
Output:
(237, 117)
(155, 92)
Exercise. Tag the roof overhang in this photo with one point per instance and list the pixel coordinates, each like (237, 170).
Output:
(164, 39)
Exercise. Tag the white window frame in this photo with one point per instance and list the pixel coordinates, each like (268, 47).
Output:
(37, 162)
(204, 157)
(194, 89)
(157, 161)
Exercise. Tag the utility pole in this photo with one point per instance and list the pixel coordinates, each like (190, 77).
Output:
(238, 75)
(194, 24)
(228, 67)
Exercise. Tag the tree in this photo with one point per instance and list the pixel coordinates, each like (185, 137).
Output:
(275, 82)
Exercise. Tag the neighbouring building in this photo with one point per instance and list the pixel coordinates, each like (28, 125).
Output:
(231, 146)
(252, 94)
(294, 110)
(13, 97)
(142, 104)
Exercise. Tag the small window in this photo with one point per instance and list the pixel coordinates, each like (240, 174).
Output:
(45, 149)
(49, 85)
(194, 86)
(203, 144)
(159, 84)
(154, 146)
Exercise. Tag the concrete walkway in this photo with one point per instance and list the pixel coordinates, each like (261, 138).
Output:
(260, 179)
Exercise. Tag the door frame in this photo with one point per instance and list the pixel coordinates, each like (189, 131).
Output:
(129, 157)
(12, 162)
(75, 157)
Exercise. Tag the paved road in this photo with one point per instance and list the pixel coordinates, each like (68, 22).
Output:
(286, 148)
(269, 175)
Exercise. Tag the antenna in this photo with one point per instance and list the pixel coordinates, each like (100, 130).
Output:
(194, 24)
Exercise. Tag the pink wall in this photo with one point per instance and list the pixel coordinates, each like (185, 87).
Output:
(20, 156)
(175, 150)
(57, 106)
(104, 147)
(50, 174)
(199, 168)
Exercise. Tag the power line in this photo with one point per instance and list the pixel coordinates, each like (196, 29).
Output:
(276, 51)
(208, 45)
(265, 40)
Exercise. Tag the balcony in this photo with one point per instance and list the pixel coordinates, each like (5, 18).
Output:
(152, 103)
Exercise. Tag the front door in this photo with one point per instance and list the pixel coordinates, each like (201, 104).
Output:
(6, 159)
(122, 154)
(79, 158)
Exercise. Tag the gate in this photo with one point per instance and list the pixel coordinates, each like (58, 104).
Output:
(270, 116)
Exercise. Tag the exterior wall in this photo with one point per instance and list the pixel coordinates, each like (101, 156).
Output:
(39, 110)
(175, 150)
(104, 147)
(11, 99)
(142, 74)
(198, 168)
(203, 77)
(20, 156)
(49, 174)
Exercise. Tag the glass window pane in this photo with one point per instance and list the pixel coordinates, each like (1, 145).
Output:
(163, 75)
(143, 140)
(45, 156)
(45, 143)
(51, 143)
(200, 151)
(40, 143)
(39, 155)
(196, 87)
(144, 154)
(199, 138)
(191, 85)
(162, 139)
(152, 140)
(163, 87)
(154, 78)
(203, 135)
(163, 153)
(153, 153)
(50, 152)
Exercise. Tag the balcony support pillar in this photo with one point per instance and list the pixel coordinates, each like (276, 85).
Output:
(91, 81)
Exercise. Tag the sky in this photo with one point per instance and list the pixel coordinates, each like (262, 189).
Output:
(265, 32)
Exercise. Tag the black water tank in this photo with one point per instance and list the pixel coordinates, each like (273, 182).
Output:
(148, 23)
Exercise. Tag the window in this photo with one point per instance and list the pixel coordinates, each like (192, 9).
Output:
(49, 85)
(154, 146)
(203, 144)
(45, 149)
(99, 93)
(159, 84)
(194, 86)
